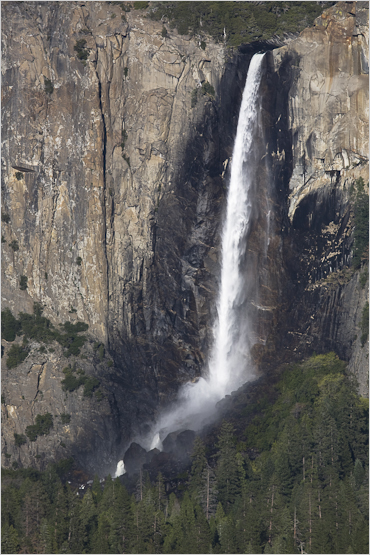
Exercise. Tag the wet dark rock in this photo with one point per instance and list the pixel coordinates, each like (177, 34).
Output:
(134, 458)
(162, 462)
(169, 442)
(179, 443)
(150, 454)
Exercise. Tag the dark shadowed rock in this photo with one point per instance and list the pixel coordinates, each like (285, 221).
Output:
(134, 458)
(161, 462)
(169, 442)
(150, 454)
(184, 443)
(179, 443)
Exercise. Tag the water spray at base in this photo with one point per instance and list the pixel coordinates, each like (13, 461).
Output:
(229, 365)
(120, 469)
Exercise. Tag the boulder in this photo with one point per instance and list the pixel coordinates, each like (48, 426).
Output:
(134, 458)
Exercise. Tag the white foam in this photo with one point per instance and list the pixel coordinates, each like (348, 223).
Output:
(156, 443)
(120, 469)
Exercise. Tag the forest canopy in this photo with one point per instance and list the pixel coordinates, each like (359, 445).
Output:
(295, 478)
(237, 22)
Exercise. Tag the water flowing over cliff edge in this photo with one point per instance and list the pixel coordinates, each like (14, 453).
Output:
(230, 364)
(119, 223)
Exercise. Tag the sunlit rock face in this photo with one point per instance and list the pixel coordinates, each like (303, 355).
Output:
(131, 178)
(329, 128)
(118, 224)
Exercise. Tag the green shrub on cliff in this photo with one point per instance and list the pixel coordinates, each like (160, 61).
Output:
(44, 423)
(207, 89)
(81, 50)
(141, 5)
(14, 245)
(65, 418)
(10, 326)
(19, 439)
(194, 97)
(71, 382)
(16, 355)
(364, 276)
(37, 327)
(71, 340)
(48, 86)
(124, 137)
(23, 283)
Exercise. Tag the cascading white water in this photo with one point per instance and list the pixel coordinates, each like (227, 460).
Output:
(229, 364)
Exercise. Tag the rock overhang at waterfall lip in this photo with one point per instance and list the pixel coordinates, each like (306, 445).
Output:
(261, 46)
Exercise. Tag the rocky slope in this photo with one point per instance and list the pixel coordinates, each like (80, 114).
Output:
(118, 223)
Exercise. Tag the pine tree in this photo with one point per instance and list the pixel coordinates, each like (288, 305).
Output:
(35, 506)
(51, 481)
(144, 520)
(174, 538)
(120, 519)
(227, 472)
(226, 531)
(9, 539)
(160, 493)
(107, 497)
(96, 490)
(88, 521)
(207, 493)
(199, 463)
(101, 536)
(187, 518)
(202, 532)
(11, 506)
(59, 516)
(73, 517)
(47, 541)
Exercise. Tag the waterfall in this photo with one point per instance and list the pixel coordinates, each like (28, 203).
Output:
(229, 364)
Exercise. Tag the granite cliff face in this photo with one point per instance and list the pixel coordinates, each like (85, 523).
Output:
(328, 122)
(118, 224)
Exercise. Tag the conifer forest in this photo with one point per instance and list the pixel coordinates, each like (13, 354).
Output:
(307, 490)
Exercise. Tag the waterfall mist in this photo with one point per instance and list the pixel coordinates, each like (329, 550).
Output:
(229, 364)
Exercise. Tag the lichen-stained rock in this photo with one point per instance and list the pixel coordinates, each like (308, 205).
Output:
(127, 184)
(329, 99)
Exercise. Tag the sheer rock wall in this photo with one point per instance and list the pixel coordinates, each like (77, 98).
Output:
(120, 219)
(118, 222)
(329, 128)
